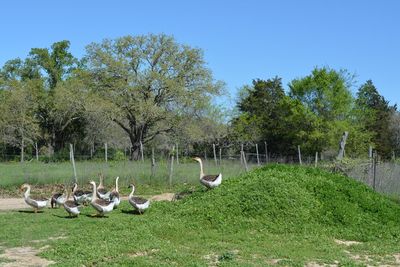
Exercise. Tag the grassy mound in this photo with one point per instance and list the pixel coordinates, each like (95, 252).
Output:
(283, 199)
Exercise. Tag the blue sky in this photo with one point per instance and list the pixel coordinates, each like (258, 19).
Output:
(242, 40)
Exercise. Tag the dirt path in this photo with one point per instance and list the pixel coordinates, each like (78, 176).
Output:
(19, 203)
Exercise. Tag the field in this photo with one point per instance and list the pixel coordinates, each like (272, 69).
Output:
(13, 174)
(276, 215)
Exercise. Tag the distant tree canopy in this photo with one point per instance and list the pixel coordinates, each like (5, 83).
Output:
(149, 89)
(145, 85)
(316, 111)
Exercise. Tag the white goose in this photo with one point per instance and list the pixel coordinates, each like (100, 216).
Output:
(140, 204)
(102, 206)
(114, 196)
(210, 181)
(101, 191)
(71, 206)
(80, 196)
(37, 202)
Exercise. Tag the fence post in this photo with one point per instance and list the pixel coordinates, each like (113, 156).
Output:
(141, 151)
(153, 163)
(298, 149)
(105, 152)
(258, 158)
(215, 155)
(374, 157)
(171, 167)
(244, 161)
(316, 159)
(37, 151)
(22, 149)
(266, 152)
(71, 155)
(241, 155)
(177, 154)
(220, 156)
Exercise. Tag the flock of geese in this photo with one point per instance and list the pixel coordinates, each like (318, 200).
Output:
(102, 200)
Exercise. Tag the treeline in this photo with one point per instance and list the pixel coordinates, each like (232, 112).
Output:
(314, 113)
(126, 92)
(149, 90)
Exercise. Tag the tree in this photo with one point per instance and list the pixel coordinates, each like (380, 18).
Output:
(376, 114)
(18, 124)
(148, 82)
(326, 93)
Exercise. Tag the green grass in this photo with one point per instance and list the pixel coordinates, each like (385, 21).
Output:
(277, 212)
(13, 174)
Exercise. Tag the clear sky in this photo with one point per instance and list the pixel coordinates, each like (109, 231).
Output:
(242, 40)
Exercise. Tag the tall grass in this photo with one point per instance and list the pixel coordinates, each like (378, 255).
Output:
(12, 174)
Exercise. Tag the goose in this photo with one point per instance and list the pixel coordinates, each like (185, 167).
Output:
(71, 206)
(101, 191)
(210, 181)
(140, 204)
(80, 196)
(102, 206)
(114, 195)
(37, 202)
(57, 199)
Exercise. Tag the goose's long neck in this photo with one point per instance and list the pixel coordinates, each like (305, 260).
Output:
(116, 184)
(27, 192)
(201, 169)
(74, 188)
(133, 190)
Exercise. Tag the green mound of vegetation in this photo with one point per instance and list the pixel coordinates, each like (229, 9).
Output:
(282, 199)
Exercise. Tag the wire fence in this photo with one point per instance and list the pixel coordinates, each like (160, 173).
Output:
(383, 176)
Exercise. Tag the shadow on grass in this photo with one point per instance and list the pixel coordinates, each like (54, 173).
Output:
(135, 212)
(65, 217)
(30, 211)
(96, 216)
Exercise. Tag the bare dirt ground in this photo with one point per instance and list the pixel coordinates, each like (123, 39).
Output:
(23, 257)
(19, 203)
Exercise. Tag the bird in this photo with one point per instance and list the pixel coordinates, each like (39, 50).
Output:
(101, 191)
(210, 181)
(114, 195)
(81, 196)
(102, 206)
(71, 206)
(57, 199)
(37, 202)
(140, 204)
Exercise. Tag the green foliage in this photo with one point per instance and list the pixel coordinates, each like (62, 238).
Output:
(276, 212)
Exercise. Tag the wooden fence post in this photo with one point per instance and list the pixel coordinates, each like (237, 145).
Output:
(22, 149)
(215, 155)
(141, 151)
(220, 156)
(171, 167)
(37, 151)
(105, 152)
(342, 145)
(244, 161)
(299, 151)
(258, 158)
(153, 163)
(266, 152)
(316, 159)
(241, 155)
(374, 159)
(71, 154)
(177, 154)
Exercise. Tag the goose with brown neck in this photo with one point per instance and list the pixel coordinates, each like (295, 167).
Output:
(138, 203)
(35, 202)
(114, 195)
(102, 206)
(101, 191)
(71, 206)
(210, 181)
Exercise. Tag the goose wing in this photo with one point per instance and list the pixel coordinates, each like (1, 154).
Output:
(71, 204)
(210, 178)
(139, 200)
(38, 198)
(114, 194)
(102, 202)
